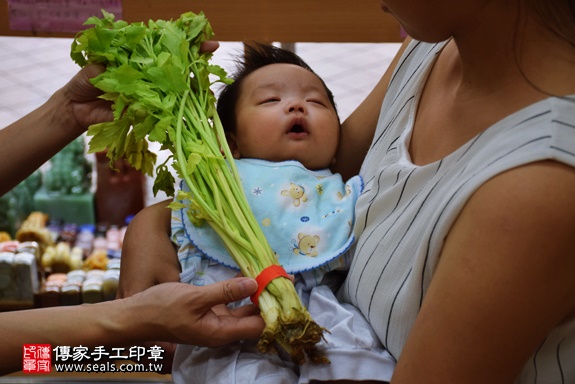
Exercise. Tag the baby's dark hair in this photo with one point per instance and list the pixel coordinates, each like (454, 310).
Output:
(256, 56)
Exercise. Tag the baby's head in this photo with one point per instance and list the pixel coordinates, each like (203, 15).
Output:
(278, 109)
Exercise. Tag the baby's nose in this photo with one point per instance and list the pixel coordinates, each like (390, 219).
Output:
(296, 106)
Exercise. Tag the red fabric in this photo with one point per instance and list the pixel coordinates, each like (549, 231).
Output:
(265, 277)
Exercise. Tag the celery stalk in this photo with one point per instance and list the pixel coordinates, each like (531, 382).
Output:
(159, 84)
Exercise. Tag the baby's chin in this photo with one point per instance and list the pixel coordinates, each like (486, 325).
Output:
(312, 165)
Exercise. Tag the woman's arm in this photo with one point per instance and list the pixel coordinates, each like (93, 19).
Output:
(358, 129)
(149, 258)
(172, 312)
(31, 141)
(148, 255)
(504, 281)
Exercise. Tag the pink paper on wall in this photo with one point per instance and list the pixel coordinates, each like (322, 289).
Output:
(67, 16)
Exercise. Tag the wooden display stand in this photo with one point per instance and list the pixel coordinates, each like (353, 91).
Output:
(263, 20)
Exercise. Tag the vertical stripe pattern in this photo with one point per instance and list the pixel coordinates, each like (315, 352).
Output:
(405, 211)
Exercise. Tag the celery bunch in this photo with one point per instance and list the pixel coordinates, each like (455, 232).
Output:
(159, 84)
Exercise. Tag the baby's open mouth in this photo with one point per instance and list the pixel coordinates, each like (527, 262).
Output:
(297, 129)
(298, 126)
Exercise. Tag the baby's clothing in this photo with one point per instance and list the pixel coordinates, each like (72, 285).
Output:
(307, 217)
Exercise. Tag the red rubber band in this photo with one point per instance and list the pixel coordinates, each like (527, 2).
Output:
(265, 277)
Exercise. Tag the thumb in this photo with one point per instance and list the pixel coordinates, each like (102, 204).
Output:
(231, 290)
(80, 88)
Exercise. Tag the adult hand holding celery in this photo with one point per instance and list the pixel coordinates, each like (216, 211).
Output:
(159, 83)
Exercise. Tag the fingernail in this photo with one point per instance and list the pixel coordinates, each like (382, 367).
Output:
(248, 285)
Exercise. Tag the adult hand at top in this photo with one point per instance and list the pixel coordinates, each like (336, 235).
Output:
(83, 99)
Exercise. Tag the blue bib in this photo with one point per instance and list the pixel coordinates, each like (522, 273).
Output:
(306, 216)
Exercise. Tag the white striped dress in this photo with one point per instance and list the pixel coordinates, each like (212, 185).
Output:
(406, 210)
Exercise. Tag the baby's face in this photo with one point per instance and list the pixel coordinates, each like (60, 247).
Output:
(284, 113)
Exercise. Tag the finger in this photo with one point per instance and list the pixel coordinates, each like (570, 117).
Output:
(245, 310)
(209, 46)
(80, 88)
(93, 70)
(229, 291)
(233, 328)
(242, 311)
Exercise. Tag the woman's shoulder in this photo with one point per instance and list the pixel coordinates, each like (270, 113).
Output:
(545, 128)
(416, 56)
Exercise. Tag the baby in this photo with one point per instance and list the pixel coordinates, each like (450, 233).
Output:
(283, 130)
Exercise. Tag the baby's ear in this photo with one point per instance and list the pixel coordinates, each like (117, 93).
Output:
(230, 137)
